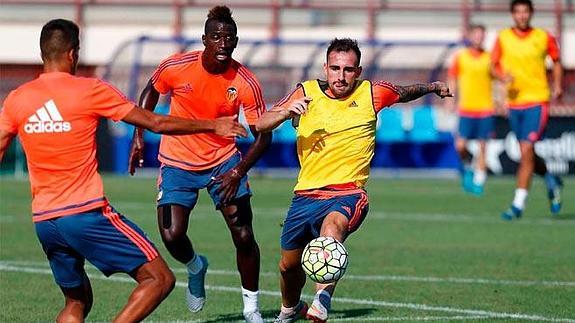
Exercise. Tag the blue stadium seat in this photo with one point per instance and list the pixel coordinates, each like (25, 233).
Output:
(389, 126)
(423, 125)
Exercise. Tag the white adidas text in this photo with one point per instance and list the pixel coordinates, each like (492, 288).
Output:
(47, 119)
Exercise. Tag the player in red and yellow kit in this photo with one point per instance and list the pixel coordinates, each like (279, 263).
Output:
(470, 75)
(335, 122)
(207, 84)
(55, 117)
(519, 61)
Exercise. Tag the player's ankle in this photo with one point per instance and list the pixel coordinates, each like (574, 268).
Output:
(195, 265)
(250, 299)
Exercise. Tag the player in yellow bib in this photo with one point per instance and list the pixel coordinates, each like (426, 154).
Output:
(519, 61)
(335, 122)
(470, 76)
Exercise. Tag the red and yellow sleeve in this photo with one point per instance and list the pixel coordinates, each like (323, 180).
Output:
(7, 120)
(553, 48)
(251, 97)
(109, 102)
(384, 95)
(496, 54)
(453, 70)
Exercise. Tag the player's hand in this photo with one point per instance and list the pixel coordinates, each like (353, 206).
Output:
(557, 92)
(298, 107)
(229, 183)
(229, 127)
(136, 158)
(441, 89)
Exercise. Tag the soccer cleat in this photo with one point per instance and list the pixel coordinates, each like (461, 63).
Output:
(253, 317)
(317, 314)
(476, 189)
(196, 292)
(554, 195)
(511, 212)
(298, 313)
(467, 181)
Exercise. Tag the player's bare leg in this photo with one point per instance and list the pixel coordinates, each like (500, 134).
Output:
(292, 280)
(334, 225)
(155, 282)
(173, 224)
(465, 159)
(524, 175)
(480, 174)
(78, 303)
(238, 217)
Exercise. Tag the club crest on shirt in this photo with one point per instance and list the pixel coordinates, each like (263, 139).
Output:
(232, 93)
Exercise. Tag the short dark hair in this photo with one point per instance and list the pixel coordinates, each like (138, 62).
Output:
(57, 37)
(344, 45)
(476, 26)
(514, 3)
(221, 14)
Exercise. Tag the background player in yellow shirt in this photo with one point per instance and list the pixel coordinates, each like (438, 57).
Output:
(519, 61)
(470, 74)
(335, 123)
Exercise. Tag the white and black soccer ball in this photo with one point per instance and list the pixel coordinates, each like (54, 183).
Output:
(324, 260)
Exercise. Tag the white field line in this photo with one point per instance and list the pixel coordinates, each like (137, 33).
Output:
(452, 280)
(280, 213)
(356, 301)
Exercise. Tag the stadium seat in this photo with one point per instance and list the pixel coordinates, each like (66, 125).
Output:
(423, 125)
(389, 126)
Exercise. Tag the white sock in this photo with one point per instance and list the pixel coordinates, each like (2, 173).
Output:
(288, 310)
(250, 300)
(519, 199)
(195, 265)
(479, 177)
(322, 300)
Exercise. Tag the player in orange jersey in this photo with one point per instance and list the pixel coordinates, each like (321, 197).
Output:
(470, 76)
(335, 122)
(519, 61)
(55, 117)
(207, 84)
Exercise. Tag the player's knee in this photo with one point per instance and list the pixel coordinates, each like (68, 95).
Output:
(245, 240)
(287, 266)
(170, 230)
(167, 282)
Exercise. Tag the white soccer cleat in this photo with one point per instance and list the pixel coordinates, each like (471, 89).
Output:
(196, 292)
(317, 314)
(253, 317)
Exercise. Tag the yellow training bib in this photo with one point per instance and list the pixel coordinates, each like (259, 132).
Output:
(336, 137)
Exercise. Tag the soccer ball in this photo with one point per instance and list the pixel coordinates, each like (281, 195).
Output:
(324, 260)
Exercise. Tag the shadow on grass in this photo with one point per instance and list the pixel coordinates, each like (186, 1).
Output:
(564, 217)
(267, 315)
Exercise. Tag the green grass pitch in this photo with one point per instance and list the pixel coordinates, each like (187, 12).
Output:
(426, 251)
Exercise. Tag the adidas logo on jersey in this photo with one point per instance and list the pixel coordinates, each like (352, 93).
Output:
(47, 119)
(353, 104)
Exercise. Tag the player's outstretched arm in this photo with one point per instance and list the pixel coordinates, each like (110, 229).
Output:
(5, 140)
(411, 92)
(148, 100)
(278, 114)
(223, 126)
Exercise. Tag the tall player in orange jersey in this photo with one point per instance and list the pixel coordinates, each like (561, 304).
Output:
(55, 117)
(519, 61)
(208, 84)
(470, 76)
